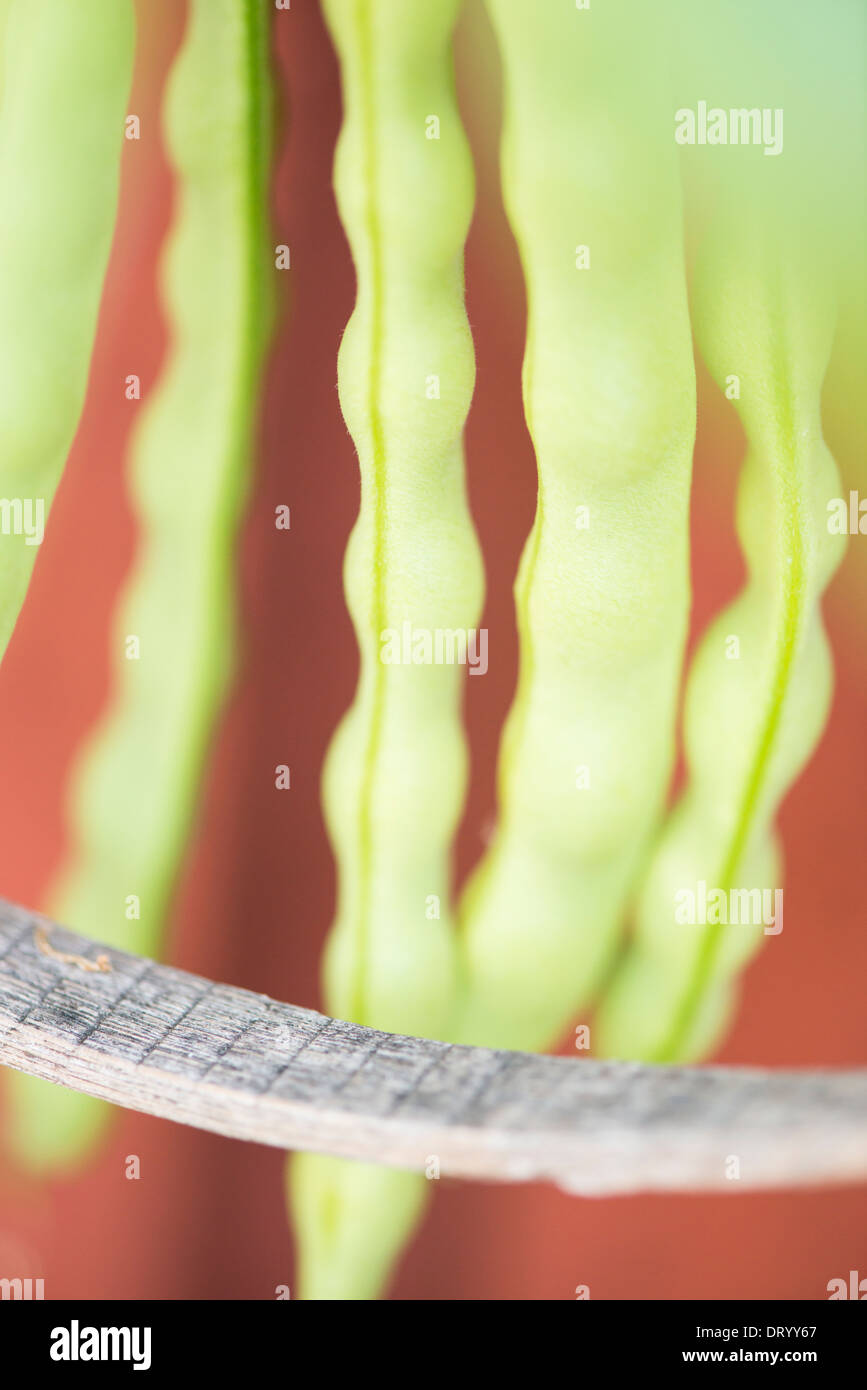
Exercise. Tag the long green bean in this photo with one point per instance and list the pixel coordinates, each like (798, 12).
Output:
(755, 708)
(395, 772)
(592, 194)
(135, 786)
(65, 79)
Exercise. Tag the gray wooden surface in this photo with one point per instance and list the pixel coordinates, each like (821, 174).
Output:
(156, 1039)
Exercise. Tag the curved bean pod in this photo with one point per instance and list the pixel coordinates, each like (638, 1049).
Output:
(602, 593)
(135, 787)
(65, 79)
(752, 722)
(395, 773)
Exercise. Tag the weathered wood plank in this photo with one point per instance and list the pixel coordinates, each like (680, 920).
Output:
(156, 1039)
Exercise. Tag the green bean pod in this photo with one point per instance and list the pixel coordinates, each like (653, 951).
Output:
(760, 686)
(134, 789)
(395, 773)
(64, 83)
(592, 193)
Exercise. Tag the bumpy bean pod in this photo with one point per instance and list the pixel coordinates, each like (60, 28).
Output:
(135, 787)
(592, 193)
(395, 773)
(759, 690)
(64, 83)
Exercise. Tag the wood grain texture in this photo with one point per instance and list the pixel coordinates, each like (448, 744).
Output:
(159, 1040)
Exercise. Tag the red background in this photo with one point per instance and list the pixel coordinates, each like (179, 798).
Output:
(206, 1219)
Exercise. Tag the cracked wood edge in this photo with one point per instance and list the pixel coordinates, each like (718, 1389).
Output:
(152, 1038)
